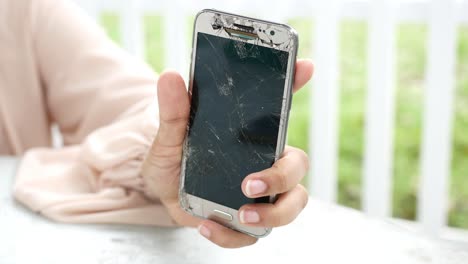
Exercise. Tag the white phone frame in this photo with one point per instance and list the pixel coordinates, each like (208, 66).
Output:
(285, 39)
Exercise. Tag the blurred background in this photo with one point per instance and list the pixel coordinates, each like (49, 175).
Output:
(385, 120)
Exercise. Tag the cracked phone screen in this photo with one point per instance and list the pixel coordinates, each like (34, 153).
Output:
(236, 105)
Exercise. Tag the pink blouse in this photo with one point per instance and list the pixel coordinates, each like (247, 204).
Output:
(58, 66)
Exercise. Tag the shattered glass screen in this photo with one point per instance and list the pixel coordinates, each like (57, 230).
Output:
(234, 121)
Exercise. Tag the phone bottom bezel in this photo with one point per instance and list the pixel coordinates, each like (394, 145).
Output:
(203, 208)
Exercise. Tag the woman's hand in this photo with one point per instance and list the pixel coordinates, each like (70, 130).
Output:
(161, 169)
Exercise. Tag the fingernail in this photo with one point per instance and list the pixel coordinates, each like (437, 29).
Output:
(255, 187)
(249, 216)
(204, 231)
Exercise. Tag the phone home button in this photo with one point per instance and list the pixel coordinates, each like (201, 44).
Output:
(222, 215)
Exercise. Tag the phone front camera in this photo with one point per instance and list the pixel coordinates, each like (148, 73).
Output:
(272, 32)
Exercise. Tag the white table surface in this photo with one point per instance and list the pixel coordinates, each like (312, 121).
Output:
(323, 233)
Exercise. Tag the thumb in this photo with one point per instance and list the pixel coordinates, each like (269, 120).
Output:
(161, 167)
(173, 110)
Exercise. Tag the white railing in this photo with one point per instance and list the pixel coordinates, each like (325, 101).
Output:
(442, 17)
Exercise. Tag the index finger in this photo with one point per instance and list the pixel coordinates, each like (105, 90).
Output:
(304, 71)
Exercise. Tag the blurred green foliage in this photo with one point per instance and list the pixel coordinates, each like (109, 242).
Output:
(411, 59)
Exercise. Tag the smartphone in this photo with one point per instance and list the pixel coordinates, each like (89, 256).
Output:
(241, 78)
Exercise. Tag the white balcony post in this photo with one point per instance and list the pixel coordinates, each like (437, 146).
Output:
(175, 32)
(324, 123)
(132, 28)
(438, 114)
(379, 128)
(91, 7)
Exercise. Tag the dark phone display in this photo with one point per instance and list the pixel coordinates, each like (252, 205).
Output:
(237, 97)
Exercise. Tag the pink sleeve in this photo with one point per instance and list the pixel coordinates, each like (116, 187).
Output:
(89, 81)
(104, 103)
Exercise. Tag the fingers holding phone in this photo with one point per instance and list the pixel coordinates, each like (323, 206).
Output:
(292, 199)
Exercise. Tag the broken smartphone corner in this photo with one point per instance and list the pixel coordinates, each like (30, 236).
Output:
(241, 79)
